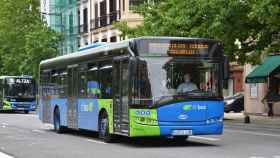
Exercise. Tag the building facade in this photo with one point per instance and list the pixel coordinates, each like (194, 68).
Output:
(235, 82)
(61, 15)
(84, 22)
(260, 80)
(96, 18)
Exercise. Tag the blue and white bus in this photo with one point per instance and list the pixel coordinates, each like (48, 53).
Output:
(17, 93)
(131, 88)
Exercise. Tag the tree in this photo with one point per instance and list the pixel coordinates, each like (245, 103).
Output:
(24, 39)
(252, 22)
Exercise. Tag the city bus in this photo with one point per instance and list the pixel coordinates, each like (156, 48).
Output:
(130, 88)
(17, 93)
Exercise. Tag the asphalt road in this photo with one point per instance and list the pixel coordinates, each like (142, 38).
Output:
(24, 136)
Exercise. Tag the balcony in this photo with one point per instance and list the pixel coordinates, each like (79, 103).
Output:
(104, 20)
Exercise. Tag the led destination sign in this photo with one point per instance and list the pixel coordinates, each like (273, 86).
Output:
(181, 49)
(19, 81)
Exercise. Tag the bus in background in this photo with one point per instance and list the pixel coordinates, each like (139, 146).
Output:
(131, 88)
(17, 93)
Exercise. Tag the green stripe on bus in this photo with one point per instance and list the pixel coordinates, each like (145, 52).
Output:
(7, 105)
(143, 122)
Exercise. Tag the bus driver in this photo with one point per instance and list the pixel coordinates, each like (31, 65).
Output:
(187, 86)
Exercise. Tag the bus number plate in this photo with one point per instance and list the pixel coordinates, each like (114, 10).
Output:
(181, 132)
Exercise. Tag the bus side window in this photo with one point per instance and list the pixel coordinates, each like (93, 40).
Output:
(54, 83)
(105, 72)
(82, 81)
(63, 83)
(44, 83)
(93, 86)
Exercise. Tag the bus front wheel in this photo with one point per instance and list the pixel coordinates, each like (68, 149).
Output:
(103, 129)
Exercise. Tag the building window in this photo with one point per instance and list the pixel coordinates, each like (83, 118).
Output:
(103, 16)
(79, 18)
(96, 21)
(113, 11)
(253, 90)
(71, 23)
(104, 40)
(85, 26)
(113, 39)
(124, 5)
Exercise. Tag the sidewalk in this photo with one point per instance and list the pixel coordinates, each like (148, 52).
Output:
(263, 121)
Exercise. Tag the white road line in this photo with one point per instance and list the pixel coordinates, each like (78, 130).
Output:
(2, 155)
(30, 115)
(38, 131)
(95, 141)
(253, 133)
(205, 138)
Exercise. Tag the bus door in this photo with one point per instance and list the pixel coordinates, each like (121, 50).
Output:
(120, 92)
(45, 101)
(72, 108)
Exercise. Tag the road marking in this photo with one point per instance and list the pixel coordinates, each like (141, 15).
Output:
(253, 133)
(205, 138)
(3, 125)
(95, 141)
(2, 155)
(31, 115)
(38, 131)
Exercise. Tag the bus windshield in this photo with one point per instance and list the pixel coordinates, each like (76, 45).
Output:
(161, 79)
(20, 88)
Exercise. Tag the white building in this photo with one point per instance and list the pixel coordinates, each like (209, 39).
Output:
(97, 16)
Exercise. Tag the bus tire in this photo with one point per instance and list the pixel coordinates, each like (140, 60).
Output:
(103, 127)
(26, 111)
(180, 139)
(56, 122)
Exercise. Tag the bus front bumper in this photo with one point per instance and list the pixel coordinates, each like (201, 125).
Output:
(168, 131)
(207, 129)
(29, 106)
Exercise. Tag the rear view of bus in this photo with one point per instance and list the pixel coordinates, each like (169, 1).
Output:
(17, 93)
(177, 88)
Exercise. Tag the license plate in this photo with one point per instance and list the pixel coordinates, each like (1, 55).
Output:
(20, 108)
(182, 132)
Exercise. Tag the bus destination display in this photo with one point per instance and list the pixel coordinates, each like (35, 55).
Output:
(19, 81)
(179, 49)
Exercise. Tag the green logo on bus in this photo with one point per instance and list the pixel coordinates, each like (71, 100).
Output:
(187, 107)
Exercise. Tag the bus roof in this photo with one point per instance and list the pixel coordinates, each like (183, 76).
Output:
(112, 46)
(85, 53)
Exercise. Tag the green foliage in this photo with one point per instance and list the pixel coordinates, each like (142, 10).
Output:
(24, 39)
(255, 23)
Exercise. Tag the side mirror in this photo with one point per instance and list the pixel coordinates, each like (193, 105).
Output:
(226, 68)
